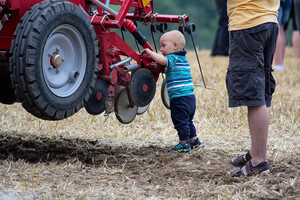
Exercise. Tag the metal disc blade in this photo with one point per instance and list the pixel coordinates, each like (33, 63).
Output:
(142, 110)
(96, 102)
(164, 94)
(142, 87)
(124, 113)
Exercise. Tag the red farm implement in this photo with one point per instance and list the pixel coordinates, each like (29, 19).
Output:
(58, 56)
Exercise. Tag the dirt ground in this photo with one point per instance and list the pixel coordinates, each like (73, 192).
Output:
(128, 173)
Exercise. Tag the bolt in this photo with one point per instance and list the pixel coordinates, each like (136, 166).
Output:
(57, 49)
(49, 68)
(50, 54)
(57, 70)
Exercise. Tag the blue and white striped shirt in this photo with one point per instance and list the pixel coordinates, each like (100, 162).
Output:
(178, 75)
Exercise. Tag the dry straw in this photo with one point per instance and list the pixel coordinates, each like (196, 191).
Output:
(96, 157)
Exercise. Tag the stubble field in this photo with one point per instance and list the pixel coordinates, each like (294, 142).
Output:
(96, 157)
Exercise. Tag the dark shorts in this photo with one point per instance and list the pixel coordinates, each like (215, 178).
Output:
(249, 77)
(286, 13)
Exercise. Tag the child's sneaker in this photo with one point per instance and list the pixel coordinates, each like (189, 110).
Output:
(196, 144)
(182, 147)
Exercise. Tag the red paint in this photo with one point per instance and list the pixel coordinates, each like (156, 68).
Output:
(112, 48)
(145, 88)
(99, 96)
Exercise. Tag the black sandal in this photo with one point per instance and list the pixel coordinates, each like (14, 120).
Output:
(240, 161)
(261, 167)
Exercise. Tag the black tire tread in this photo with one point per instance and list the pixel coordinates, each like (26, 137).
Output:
(23, 51)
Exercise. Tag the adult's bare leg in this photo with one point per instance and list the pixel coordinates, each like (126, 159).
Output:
(258, 119)
(280, 47)
(296, 43)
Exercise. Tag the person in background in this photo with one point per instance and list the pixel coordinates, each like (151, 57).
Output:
(221, 41)
(180, 88)
(253, 30)
(297, 13)
(287, 12)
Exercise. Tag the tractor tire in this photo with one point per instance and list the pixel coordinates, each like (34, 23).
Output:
(54, 59)
(7, 93)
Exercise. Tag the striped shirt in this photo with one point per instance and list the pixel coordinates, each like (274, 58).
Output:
(178, 75)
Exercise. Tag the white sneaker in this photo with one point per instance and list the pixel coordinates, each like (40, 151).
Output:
(278, 67)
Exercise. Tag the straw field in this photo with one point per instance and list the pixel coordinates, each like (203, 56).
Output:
(96, 157)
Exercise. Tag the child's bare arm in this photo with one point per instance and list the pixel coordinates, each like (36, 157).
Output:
(160, 59)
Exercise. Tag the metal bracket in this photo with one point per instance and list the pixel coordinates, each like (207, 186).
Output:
(153, 19)
(101, 23)
(94, 15)
(181, 21)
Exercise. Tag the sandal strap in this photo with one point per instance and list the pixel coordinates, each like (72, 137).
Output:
(237, 172)
(248, 156)
(263, 166)
(240, 161)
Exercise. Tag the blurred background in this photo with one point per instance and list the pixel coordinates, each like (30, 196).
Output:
(202, 13)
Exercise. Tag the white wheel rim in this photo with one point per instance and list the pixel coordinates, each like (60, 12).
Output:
(65, 79)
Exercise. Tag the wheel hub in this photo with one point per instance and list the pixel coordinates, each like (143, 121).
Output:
(56, 60)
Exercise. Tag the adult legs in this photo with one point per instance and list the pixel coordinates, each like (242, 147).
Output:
(258, 119)
(221, 41)
(296, 33)
(280, 49)
(296, 43)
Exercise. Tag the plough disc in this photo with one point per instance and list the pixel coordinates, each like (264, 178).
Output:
(142, 110)
(96, 102)
(164, 94)
(142, 87)
(124, 112)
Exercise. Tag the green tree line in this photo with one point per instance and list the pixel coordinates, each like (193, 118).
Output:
(202, 13)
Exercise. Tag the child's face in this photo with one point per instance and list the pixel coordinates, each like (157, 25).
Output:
(167, 46)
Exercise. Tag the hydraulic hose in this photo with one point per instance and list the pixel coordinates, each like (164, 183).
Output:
(128, 24)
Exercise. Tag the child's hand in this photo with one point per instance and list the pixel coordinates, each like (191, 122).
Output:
(145, 51)
(160, 59)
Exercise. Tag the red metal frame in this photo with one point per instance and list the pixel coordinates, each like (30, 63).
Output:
(111, 45)
(143, 12)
